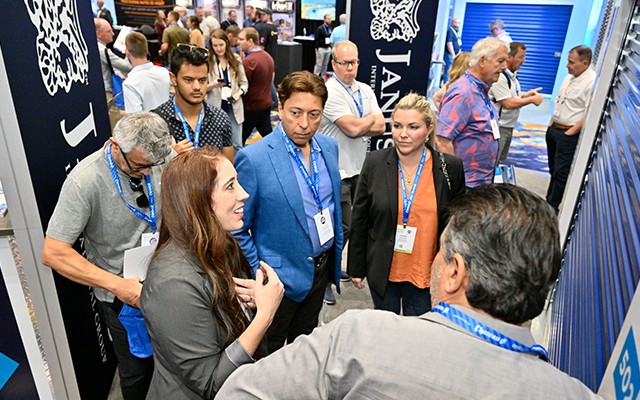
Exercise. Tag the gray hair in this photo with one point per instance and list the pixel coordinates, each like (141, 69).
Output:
(146, 131)
(486, 48)
(334, 49)
(497, 23)
(343, 19)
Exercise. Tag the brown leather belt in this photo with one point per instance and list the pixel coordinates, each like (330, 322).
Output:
(562, 127)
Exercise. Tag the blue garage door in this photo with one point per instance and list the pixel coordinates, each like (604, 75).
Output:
(542, 28)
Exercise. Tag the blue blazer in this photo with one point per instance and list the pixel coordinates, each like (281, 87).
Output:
(275, 224)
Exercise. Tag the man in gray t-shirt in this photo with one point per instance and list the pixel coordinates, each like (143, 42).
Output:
(508, 98)
(112, 198)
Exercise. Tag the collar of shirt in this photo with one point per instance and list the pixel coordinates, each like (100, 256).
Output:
(483, 86)
(141, 67)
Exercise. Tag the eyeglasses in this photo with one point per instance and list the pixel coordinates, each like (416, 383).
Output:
(124, 155)
(191, 48)
(136, 185)
(348, 64)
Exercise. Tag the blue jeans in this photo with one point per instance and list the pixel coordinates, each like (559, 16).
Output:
(448, 61)
(414, 301)
(236, 130)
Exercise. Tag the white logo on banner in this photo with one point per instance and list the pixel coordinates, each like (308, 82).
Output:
(62, 51)
(395, 21)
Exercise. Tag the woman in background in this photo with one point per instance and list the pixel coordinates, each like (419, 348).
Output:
(227, 83)
(195, 34)
(399, 211)
(459, 65)
(200, 326)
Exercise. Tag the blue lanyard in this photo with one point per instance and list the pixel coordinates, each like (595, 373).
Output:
(408, 202)
(359, 105)
(514, 79)
(487, 102)
(185, 125)
(251, 51)
(151, 219)
(327, 32)
(486, 333)
(314, 184)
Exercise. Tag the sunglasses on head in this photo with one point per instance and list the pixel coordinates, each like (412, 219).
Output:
(191, 48)
(136, 185)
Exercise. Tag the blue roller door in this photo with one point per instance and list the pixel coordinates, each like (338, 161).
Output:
(542, 28)
(601, 265)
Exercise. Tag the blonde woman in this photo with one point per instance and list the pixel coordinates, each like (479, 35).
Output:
(460, 64)
(399, 211)
(227, 82)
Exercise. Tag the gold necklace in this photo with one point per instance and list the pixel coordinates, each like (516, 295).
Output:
(408, 178)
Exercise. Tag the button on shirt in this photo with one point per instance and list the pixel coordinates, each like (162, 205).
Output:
(465, 120)
(215, 130)
(310, 205)
(574, 97)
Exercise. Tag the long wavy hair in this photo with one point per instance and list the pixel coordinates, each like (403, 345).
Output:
(188, 220)
(232, 61)
(458, 67)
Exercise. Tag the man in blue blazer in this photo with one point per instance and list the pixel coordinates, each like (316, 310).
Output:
(292, 219)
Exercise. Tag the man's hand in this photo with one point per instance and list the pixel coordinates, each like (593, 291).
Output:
(536, 99)
(182, 146)
(129, 291)
(532, 92)
(358, 282)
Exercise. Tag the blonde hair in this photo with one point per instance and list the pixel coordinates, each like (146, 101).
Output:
(458, 67)
(416, 102)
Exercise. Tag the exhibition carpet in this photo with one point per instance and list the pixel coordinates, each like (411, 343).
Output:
(528, 147)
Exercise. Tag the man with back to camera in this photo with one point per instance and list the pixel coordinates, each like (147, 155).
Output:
(471, 345)
(322, 43)
(506, 94)
(172, 35)
(351, 116)
(498, 30)
(339, 33)
(147, 85)
(565, 125)
(260, 70)
(111, 198)
(468, 121)
(267, 31)
(292, 217)
(452, 48)
(192, 121)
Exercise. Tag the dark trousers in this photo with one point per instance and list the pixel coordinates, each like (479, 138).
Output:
(135, 373)
(259, 119)
(346, 203)
(294, 319)
(560, 149)
(414, 301)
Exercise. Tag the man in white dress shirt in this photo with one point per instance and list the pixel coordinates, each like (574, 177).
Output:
(566, 122)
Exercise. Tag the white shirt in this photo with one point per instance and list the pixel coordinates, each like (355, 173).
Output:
(501, 91)
(574, 97)
(146, 88)
(339, 104)
(505, 37)
(119, 65)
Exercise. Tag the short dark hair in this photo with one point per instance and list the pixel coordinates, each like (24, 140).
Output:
(174, 15)
(302, 82)
(233, 30)
(583, 52)
(514, 47)
(510, 243)
(190, 54)
(136, 44)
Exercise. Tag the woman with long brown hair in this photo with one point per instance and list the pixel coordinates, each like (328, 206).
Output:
(200, 327)
(195, 33)
(227, 82)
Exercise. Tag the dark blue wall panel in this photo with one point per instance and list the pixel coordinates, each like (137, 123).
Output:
(542, 28)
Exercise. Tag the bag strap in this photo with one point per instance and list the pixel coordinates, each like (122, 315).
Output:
(444, 169)
(106, 53)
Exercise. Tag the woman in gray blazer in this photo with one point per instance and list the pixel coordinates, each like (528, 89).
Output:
(196, 298)
(399, 211)
(227, 82)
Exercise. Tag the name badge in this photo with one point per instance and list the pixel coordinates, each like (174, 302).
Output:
(405, 237)
(495, 129)
(327, 40)
(226, 92)
(150, 239)
(324, 227)
(459, 42)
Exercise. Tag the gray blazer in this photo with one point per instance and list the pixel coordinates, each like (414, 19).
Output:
(188, 342)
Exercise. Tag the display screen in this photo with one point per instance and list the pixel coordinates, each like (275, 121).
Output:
(316, 9)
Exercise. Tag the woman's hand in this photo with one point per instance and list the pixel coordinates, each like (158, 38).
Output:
(267, 292)
(244, 291)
